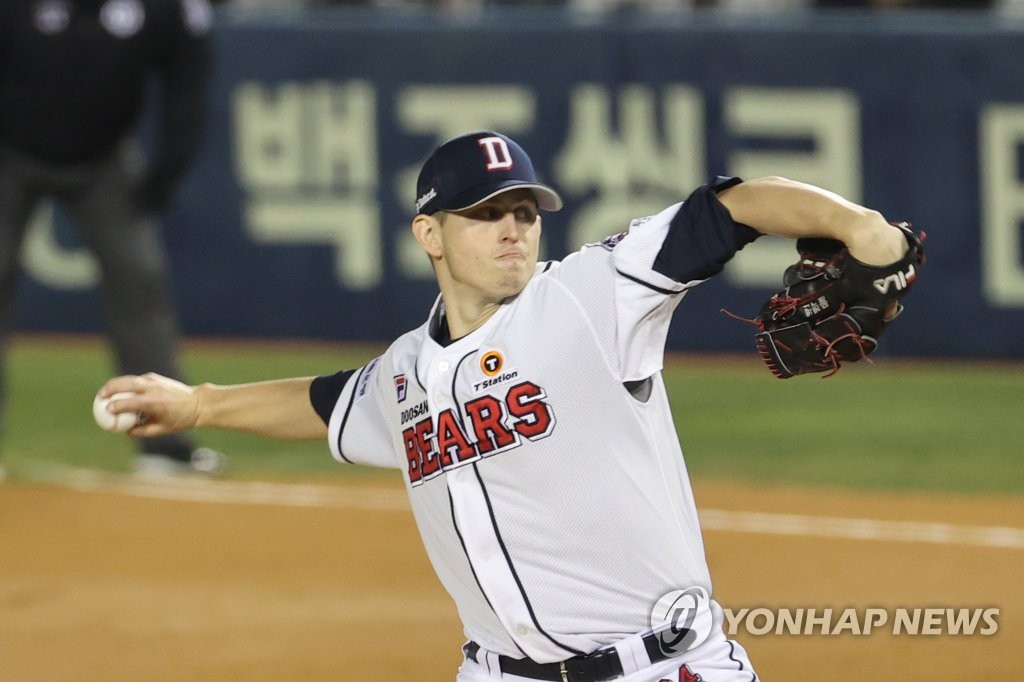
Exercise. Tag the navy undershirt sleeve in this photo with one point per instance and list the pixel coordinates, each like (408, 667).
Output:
(325, 391)
(702, 236)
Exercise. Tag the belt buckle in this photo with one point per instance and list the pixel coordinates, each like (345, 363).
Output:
(562, 669)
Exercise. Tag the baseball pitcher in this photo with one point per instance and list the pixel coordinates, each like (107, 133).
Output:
(529, 416)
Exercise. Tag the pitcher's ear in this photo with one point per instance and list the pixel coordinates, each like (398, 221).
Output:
(427, 231)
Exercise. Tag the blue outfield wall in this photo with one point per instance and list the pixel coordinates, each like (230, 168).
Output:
(294, 222)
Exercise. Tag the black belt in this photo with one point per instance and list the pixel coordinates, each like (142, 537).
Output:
(603, 664)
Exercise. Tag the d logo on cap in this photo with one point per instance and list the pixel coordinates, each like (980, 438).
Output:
(498, 157)
(458, 176)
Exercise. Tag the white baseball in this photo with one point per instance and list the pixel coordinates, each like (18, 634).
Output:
(107, 420)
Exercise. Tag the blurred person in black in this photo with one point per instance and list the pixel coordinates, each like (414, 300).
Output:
(73, 87)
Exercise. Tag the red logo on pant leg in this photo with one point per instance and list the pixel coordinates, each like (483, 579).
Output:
(687, 675)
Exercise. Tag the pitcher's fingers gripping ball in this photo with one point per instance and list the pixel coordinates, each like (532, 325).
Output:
(107, 420)
(833, 308)
(151, 405)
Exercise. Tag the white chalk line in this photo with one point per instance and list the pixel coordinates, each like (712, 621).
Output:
(386, 499)
(861, 529)
(185, 489)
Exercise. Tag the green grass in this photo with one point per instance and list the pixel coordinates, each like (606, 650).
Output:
(52, 381)
(892, 425)
(902, 425)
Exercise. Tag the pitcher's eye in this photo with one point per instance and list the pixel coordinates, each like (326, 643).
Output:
(487, 213)
(525, 214)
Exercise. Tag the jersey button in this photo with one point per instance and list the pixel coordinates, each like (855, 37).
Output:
(443, 366)
(522, 629)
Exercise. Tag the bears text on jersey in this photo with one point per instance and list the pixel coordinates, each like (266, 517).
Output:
(483, 427)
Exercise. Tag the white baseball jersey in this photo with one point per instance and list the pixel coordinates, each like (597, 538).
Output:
(539, 452)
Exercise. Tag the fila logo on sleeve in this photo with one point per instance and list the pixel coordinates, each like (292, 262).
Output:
(498, 156)
(401, 387)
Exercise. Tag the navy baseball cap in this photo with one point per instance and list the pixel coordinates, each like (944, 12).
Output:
(470, 169)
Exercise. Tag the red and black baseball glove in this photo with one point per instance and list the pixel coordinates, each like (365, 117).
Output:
(833, 307)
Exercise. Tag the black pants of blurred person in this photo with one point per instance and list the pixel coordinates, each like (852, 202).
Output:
(141, 321)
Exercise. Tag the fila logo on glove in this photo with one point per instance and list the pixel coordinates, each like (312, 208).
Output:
(899, 280)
